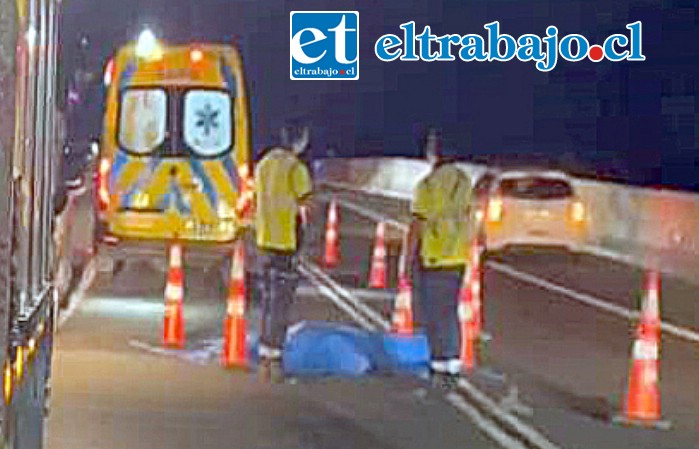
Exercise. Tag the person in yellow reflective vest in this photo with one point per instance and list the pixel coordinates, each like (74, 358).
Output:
(283, 188)
(439, 246)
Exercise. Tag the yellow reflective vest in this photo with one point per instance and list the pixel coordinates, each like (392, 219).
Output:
(442, 203)
(282, 181)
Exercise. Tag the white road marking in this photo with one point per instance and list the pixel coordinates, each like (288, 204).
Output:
(534, 436)
(336, 299)
(350, 304)
(362, 293)
(614, 309)
(488, 426)
(373, 295)
(343, 292)
(669, 328)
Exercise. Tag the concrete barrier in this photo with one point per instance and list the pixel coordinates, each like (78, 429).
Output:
(392, 177)
(640, 226)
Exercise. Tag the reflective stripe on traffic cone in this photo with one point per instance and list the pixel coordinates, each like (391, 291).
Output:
(467, 324)
(643, 394)
(173, 329)
(402, 320)
(377, 275)
(234, 327)
(477, 288)
(332, 238)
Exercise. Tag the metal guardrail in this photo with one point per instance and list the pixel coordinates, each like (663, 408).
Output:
(26, 375)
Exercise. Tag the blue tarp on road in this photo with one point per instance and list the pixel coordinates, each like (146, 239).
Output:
(316, 348)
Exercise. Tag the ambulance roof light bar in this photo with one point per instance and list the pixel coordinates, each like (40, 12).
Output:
(147, 46)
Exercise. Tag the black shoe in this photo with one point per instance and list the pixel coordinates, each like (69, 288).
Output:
(452, 381)
(445, 381)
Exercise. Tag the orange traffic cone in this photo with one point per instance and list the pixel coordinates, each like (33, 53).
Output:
(643, 394)
(403, 312)
(173, 329)
(377, 275)
(468, 322)
(402, 320)
(471, 310)
(477, 288)
(332, 237)
(234, 327)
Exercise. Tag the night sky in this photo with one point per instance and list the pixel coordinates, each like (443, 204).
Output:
(634, 122)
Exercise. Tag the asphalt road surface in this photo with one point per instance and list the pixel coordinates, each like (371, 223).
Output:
(114, 387)
(562, 328)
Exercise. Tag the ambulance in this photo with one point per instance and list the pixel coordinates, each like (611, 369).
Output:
(174, 162)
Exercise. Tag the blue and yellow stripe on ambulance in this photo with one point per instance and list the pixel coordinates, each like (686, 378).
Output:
(135, 196)
(200, 203)
(217, 177)
(174, 199)
(154, 180)
(149, 179)
(118, 164)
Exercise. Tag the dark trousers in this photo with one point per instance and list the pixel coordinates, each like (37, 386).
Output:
(277, 281)
(436, 301)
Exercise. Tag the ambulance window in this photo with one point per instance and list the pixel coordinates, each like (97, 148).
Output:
(207, 122)
(143, 121)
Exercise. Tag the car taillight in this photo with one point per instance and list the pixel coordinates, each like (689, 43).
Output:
(577, 212)
(109, 73)
(495, 209)
(102, 184)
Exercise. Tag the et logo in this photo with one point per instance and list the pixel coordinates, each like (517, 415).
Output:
(324, 45)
